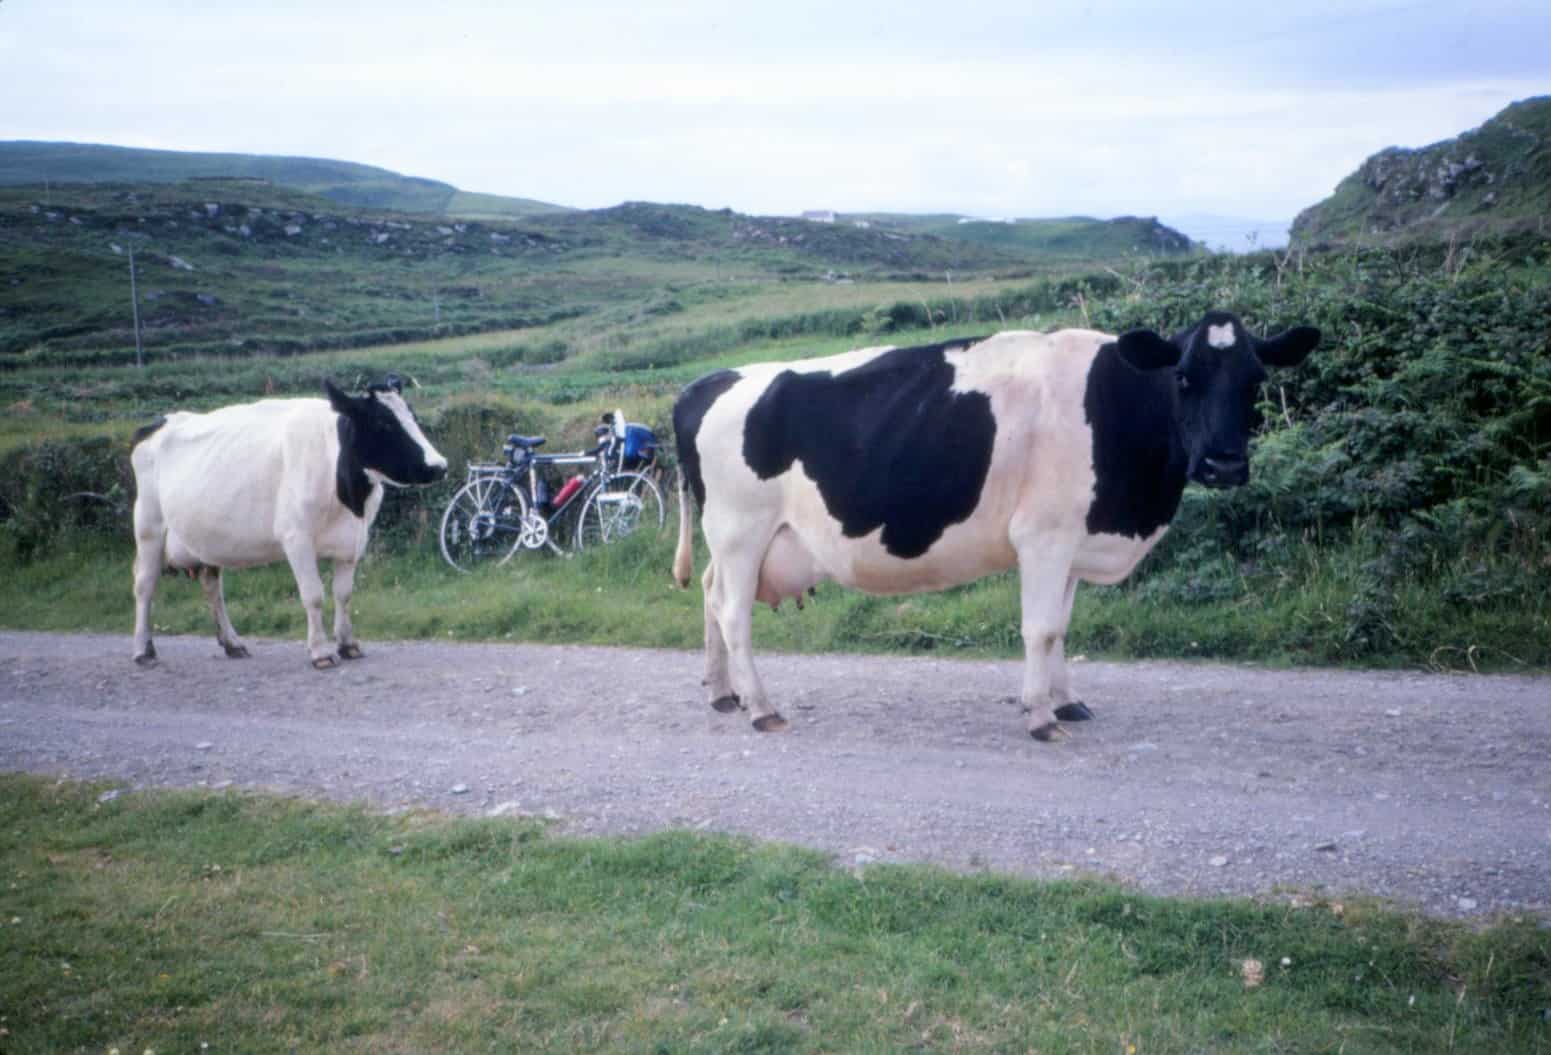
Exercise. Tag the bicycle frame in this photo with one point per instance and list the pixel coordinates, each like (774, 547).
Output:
(537, 527)
(495, 513)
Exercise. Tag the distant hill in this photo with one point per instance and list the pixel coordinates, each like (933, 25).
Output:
(28, 162)
(844, 248)
(1074, 236)
(1492, 179)
(236, 254)
(238, 266)
(368, 187)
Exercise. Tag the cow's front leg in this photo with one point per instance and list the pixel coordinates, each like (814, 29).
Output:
(215, 596)
(344, 630)
(717, 682)
(1067, 707)
(303, 558)
(1043, 581)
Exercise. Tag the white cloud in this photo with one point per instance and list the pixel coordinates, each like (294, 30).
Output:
(1002, 109)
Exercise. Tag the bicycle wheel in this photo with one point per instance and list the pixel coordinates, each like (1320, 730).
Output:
(626, 504)
(483, 523)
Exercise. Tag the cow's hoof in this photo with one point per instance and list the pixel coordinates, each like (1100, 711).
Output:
(146, 660)
(726, 704)
(325, 663)
(351, 651)
(236, 651)
(771, 723)
(1049, 733)
(1076, 711)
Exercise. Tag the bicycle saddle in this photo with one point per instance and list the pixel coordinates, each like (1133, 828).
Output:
(530, 442)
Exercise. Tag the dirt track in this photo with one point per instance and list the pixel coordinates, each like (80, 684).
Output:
(1430, 790)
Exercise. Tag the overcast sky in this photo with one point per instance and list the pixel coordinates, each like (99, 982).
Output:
(990, 108)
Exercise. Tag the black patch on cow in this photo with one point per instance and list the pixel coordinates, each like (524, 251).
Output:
(888, 443)
(1138, 459)
(688, 412)
(145, 432)
(351, 483)
(378, 439)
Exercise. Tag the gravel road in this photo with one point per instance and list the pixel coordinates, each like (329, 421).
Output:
(1430, 790)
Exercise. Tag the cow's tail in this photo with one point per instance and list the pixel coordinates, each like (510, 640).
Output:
(145, 432)
(684, 557)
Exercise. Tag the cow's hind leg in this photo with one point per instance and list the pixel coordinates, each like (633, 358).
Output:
(1067, 707)
(150, 552)
(344, 631)
(303, 558)
(718, 682)
(215, 596)
(1043, 580)
(731, 600)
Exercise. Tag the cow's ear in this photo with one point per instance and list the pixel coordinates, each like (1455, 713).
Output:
(1288, 349)
(1145, 350)
(341, 401)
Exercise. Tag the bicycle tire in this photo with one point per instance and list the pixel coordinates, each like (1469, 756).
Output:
(482, 525)
(625, 504)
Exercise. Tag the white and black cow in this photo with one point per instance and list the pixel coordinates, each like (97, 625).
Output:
(280, 479)
(896, 470)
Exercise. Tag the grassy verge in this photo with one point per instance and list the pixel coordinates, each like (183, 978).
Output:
(181, 922)
(622, 595)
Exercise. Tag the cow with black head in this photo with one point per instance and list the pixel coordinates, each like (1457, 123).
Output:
(896, 470)
(293, 479)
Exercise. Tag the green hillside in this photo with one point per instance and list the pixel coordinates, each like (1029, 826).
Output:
(1398, 511)
(364, 186)
(1075, 236)
(238, 267)
(28, 162)
(1496, 179)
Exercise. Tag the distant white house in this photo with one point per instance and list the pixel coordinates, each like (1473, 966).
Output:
(819, 215)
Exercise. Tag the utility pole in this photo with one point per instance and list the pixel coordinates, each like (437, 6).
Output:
(134, 304)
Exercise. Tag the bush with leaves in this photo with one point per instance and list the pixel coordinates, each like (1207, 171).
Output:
(1419, 431)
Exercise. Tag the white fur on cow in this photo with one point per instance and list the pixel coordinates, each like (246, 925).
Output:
(282, 479)
(896, 470)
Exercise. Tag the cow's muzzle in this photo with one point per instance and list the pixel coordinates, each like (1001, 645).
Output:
(1222, 472)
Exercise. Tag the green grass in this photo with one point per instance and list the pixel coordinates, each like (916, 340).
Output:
(1397, 513)
(623, 595)
(169, 921)
(230, 269)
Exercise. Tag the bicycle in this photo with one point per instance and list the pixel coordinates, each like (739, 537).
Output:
(505, 508)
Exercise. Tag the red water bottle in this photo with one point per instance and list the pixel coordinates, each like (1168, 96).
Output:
(570, 488)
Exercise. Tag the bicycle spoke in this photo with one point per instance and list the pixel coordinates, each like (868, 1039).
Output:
(625, 504)
(482, 523)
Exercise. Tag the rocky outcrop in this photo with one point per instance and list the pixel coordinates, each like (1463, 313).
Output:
(1496, 177)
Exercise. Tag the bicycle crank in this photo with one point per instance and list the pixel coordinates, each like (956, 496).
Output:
(534, 532)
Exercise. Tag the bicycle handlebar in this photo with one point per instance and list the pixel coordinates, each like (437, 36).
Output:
(521, 450)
